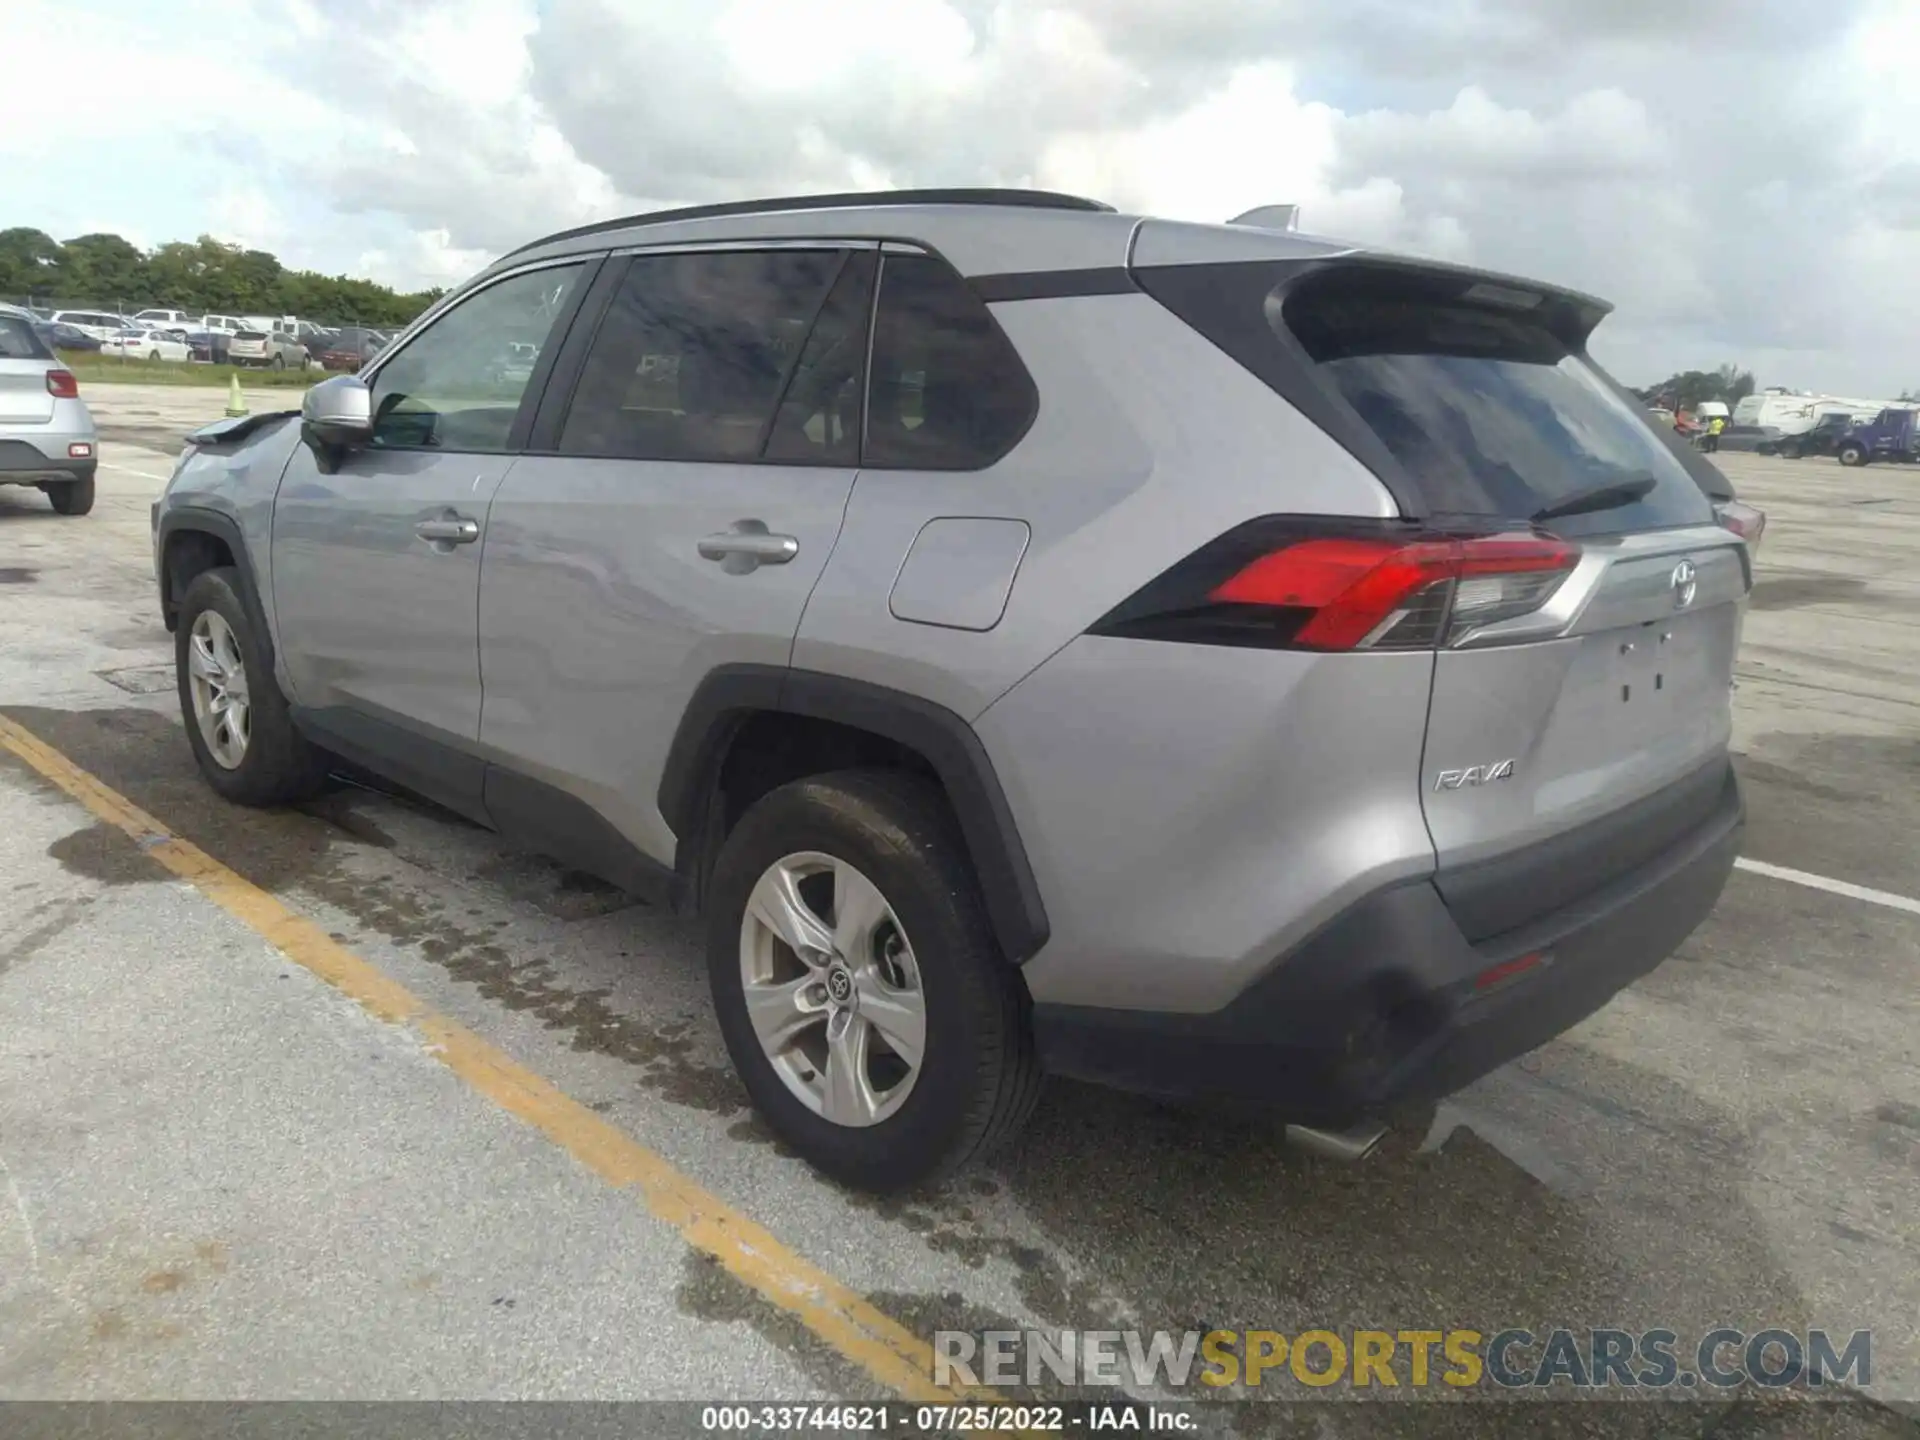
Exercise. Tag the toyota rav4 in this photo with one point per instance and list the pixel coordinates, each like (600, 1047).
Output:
(1202, 659)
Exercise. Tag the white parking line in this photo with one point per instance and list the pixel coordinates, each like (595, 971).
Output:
(129, 470)
(1832, 887)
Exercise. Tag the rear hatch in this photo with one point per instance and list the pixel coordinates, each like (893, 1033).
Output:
(24, 361)
(1566, 567)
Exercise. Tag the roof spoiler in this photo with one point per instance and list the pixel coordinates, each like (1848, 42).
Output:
(235, 429)
(1270, 217)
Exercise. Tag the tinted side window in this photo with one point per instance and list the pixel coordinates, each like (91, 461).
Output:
(693, 353)
(819, 417)
(948, 391)
(457, 385)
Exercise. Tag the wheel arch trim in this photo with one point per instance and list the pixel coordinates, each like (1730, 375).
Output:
(731, 694)
(197, 519)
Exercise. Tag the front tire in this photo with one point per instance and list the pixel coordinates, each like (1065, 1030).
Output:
(866, 1006)
(71, 497)
(1852, 456)
(237, 722)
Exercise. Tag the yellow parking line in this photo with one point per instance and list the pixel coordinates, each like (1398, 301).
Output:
(885, 1350)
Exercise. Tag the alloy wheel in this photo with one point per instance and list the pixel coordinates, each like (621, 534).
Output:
(217, 676)
(832, 989)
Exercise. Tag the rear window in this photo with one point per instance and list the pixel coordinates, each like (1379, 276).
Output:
(249, 334)
(1481, 394)
(20, 341)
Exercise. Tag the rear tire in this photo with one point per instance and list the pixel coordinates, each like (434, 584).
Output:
(977, 1076)
(71, 497)
(1852, 455)
(276, 765)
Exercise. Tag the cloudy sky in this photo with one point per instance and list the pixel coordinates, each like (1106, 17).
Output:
(1741, 177)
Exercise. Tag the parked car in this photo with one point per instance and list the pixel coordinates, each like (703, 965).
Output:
(61, 336)
(1317, 753)
(1890, 436)
(165, 320)
(220, 330)
(267, 349)
(98, 323)
(144, 345)
(1823, 439)
(47, 437)
(316, 339)
(350, 348)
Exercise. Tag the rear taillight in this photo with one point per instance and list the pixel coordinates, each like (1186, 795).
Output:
(1745, 521)
(1291, 584)
(62, 386)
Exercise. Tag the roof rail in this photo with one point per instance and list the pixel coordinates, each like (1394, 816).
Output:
(1031, 199)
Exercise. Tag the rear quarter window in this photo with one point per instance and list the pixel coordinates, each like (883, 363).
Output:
(20, 341)
(947, 390)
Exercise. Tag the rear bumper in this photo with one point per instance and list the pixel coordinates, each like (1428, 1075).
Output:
(1381, 1008)
(30, 455)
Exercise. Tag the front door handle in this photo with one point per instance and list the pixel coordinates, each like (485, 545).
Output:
(449, 529)
(748, 546)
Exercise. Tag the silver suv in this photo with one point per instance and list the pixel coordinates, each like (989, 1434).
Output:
(47, 436)
(1201, 659)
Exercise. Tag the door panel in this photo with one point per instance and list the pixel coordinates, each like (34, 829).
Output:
(663, 541)
(372, 615)
(377, 567)
(599, 615)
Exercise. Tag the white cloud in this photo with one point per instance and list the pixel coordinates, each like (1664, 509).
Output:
(1736, 180)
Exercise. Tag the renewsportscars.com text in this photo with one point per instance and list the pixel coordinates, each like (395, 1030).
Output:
(1512, 1359)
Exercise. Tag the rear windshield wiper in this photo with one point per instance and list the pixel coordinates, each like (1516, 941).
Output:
(1609, 496)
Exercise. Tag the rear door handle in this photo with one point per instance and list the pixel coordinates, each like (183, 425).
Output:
(449, 529)
(748, 546)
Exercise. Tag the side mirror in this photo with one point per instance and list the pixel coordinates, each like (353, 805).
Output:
(336, 418)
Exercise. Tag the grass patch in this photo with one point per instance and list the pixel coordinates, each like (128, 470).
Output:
(90, 366)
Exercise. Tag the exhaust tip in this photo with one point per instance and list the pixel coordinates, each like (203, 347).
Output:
(1346, 1146)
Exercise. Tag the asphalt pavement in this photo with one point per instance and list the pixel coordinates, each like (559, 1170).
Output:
(224, 1175)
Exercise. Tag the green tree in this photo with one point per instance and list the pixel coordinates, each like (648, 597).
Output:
(29, 261)
(1689, 388)
(1735, 384)
(101, 269)
(199, 276)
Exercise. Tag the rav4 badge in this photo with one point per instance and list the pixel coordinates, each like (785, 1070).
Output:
(1473, 775)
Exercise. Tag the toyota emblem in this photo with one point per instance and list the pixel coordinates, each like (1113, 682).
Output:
(1686, 584)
